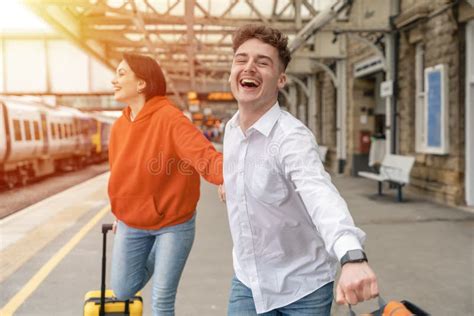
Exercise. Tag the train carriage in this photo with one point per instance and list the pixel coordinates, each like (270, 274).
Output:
(37, 140)
(101, 135)
(23, 146)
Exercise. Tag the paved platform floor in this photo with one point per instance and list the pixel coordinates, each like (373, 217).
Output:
(50, 253)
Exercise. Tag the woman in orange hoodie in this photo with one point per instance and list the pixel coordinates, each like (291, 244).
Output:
(156, 157)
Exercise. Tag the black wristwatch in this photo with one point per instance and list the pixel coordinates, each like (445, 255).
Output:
(353, 256)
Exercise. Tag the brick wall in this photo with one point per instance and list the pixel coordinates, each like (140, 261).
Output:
(439, 176)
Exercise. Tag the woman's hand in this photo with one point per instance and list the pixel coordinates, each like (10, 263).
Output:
(221, 193)
(114, 226)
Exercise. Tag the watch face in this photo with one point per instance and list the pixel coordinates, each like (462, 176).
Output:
(356, 255)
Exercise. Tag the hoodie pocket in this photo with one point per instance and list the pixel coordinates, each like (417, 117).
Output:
(138, 211)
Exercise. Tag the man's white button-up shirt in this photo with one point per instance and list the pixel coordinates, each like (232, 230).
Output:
(288, 222)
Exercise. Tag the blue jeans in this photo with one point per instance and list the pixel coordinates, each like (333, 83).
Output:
(317, 303)
(139, 254)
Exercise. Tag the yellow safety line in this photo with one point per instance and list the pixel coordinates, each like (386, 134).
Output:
(41, 275)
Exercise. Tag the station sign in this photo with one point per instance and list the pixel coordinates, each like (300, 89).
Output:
(216, 96)
(220, 96)
(192, 95)
(386, 89)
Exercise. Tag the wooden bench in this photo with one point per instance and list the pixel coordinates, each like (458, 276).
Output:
(395, 169)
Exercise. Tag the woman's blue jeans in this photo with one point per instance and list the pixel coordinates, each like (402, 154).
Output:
(318, 303)
(139, 254)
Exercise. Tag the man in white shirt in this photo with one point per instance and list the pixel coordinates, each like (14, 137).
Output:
(289, 225)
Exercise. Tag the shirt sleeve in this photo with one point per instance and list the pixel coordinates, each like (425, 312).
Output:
(193, 148)
(301, 164)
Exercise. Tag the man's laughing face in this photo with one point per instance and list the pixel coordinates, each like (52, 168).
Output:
(257, 74)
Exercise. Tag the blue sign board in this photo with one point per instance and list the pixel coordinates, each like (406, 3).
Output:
(434, 117)
(436, 139)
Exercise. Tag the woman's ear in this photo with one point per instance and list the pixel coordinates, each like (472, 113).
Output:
(141, 85)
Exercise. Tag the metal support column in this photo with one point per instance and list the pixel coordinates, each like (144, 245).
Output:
(312, 105)
(293, 99)
(341, 114)
(389, 113)
(469, 126)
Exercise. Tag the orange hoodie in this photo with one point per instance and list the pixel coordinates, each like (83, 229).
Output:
(155, 162)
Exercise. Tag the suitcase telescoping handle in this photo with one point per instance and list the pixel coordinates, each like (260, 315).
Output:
(105, 229)
(380, 301)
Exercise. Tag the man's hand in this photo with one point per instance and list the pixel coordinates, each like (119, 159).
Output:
(221, 193)
(357, 283)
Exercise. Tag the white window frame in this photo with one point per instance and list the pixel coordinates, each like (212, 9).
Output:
(420, 140)
(443, 147)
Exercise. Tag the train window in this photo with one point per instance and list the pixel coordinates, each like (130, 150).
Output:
(27, 126)
(61, 130)
(53, 132)
(36, 130)
(69, 128)
(66, 130)
(17, 130)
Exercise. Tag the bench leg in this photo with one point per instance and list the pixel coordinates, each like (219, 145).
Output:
(399, 195)
(380, 187)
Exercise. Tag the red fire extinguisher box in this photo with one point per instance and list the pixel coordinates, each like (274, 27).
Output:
(364, 142)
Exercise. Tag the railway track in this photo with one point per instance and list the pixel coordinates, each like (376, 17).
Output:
(20, 197)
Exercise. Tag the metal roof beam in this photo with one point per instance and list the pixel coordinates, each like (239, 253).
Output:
(229, 8)
(138, 21)
(67, 25)
(257, 12)
(283, 24)
(323, 17)
(191, 48)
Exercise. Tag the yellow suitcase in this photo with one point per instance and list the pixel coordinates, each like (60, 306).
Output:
(103, 302)
(113, 306)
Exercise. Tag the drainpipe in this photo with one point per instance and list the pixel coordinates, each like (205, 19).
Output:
(395, 34)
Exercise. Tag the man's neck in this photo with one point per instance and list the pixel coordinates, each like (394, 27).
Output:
(248, 115)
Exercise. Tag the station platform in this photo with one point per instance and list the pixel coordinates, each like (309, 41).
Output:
(50, 252)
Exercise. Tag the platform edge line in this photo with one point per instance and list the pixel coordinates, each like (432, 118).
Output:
(28, 289)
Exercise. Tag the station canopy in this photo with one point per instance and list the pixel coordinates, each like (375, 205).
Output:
(191, 39)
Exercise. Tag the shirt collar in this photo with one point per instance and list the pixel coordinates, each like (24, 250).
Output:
(234, 121)
(264, 124)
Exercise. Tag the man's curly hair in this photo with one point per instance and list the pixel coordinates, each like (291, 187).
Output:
(265, 34)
